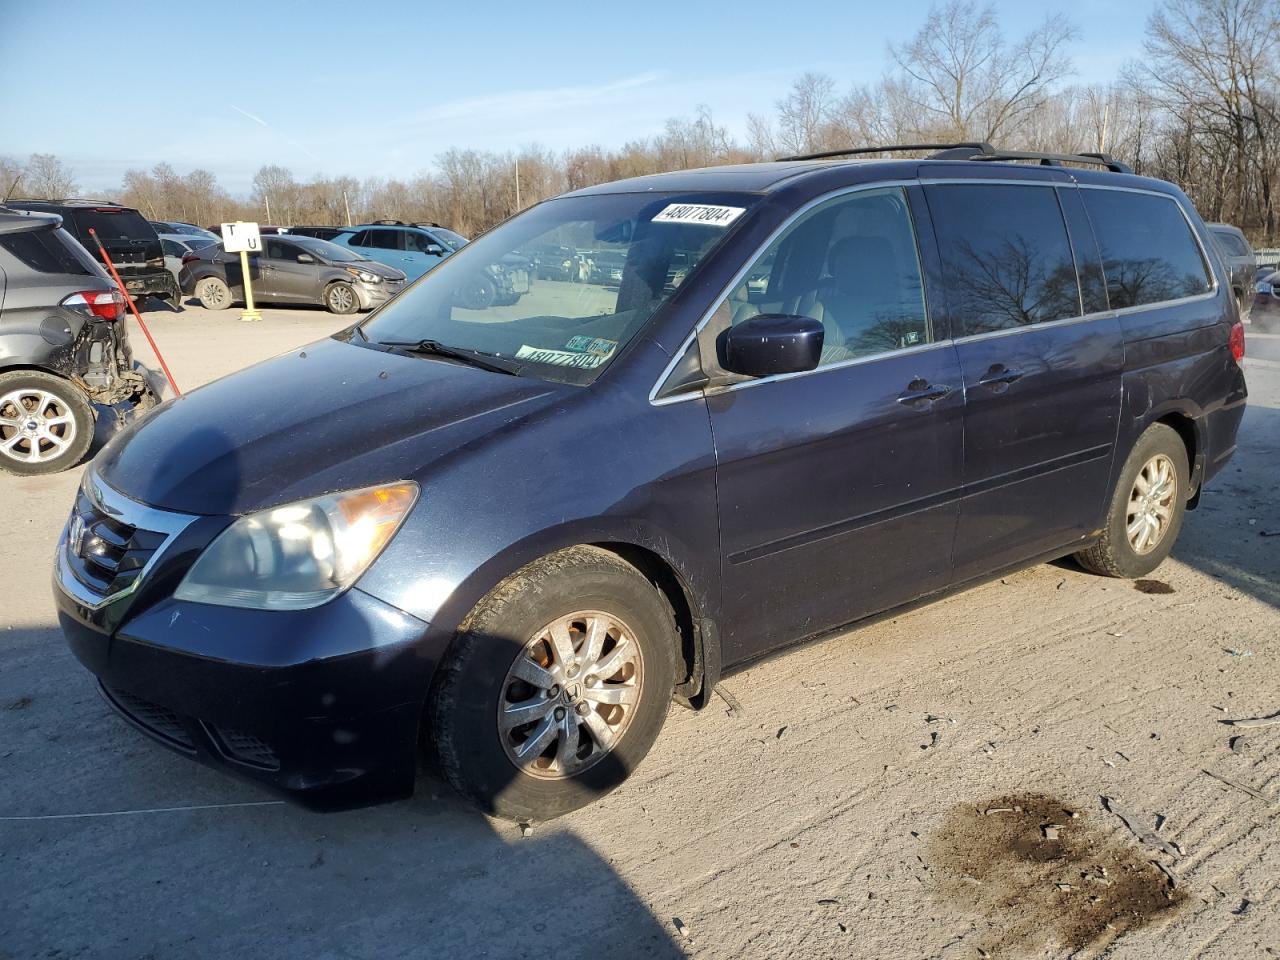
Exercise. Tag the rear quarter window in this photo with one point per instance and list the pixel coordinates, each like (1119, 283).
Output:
(1149, 253)
(47, 251)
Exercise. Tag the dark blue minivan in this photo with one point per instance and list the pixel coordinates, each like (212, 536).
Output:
(505, 537)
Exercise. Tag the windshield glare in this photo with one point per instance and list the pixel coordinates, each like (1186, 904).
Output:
(333, 252)
(565, 316)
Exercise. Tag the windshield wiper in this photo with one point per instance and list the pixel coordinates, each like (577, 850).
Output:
(475, 358)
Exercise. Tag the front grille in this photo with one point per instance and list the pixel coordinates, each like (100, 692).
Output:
(155, 719)
(246, 748)
(105, 553)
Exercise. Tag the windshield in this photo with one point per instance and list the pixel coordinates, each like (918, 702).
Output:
(332, 252)
(622, 255)
(453, 241)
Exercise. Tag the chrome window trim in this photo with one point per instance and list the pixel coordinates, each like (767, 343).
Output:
(922, 182)
(115, 504)
(741, 275)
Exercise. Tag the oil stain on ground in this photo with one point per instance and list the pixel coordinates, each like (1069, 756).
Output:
(1038, 874)
(1152, 586)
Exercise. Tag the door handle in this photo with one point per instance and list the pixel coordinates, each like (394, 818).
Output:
(921, 392)
(999, 376)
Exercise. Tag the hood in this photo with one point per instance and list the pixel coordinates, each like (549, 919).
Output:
(331, 416)
(377, 269)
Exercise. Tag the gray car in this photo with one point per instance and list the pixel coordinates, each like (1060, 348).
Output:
(1240, 260)
(178, 245)
(291, 269)
(64, 346)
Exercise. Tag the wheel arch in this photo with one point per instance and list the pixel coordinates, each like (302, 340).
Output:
(689, 596)
(1185, 418)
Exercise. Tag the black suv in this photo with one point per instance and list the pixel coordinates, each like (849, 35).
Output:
(131, 242)
(63, 346)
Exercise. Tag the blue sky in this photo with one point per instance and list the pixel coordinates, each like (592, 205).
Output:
(378, 89)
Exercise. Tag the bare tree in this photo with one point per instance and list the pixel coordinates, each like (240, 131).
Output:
(47, 177)
(961, 75)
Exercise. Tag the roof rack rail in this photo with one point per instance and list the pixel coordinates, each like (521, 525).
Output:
(1057, 159)
(389, 223)
(968, 147)
(977, 150)
(426, 223)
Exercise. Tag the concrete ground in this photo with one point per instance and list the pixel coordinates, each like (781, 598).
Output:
(925, 786)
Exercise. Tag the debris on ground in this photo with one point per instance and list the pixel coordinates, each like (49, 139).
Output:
(1239, 786)
(828, 901)
(1051, 830)
(1269, 533)
(1241, 910)
(1239, 744)
(735, 708)
(934, 739)
(1255, 721)
(1138, 830)
(781, 731)
(526, 830)
(682, 928)
(1238, 653)
(20, 704)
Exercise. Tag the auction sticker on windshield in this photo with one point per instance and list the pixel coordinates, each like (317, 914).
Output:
(704, 213)
(559, 358)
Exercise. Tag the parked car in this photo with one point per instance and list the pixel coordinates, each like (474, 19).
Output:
(555, 262)
(512, 536)
(170, 227)
(291, 270)
(411, 247)
(320, 233)
(131, 242)
(175, 246)
(1241, 262)
(62, 347)
(606, 267)
(1265, 312)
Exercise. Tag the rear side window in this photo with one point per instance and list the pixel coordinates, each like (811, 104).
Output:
(1006, 257)
(360, 239)
(1231, 244)
(385, 240)
(46, 251)
(1148, 251)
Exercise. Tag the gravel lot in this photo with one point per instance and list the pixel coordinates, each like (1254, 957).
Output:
(839, 811)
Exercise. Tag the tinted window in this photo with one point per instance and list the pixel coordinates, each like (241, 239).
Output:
(45, 251)
(361, 239)
(279, 250)
(385, 240)
(850, 263)
(111, 223)
(1231, 244)
(1006, 259)
(1148, 251)
(172, 248)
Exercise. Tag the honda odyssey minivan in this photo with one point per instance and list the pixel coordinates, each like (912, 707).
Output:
(505, 538)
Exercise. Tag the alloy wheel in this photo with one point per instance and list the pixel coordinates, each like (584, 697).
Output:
(1151, 504)
(570, 695)
(341, 299)
(36, 426)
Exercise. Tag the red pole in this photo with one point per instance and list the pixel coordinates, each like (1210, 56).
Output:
(136, 315)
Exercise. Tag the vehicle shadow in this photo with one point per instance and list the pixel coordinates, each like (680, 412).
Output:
(111, 845)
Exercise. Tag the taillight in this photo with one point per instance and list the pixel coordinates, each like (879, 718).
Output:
(1237, 341)
(189, 258)
(101, 304)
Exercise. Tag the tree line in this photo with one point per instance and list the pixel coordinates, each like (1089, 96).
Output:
(1200, 107)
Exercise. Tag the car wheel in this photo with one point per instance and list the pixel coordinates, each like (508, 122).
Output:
(340, 297)
(479, 294)
(46, 424)
(556, 687)
(1147, 507)
(213, 293)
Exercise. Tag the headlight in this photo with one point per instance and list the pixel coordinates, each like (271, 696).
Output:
(364, 275)
(300, 555)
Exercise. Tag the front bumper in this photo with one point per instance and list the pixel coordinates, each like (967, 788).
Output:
(375, 294)
(321, 705)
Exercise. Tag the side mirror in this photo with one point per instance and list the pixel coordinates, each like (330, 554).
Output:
(434, 250)
(771, 343)
(306, 258)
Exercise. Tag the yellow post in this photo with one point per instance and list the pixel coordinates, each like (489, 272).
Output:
(248, 313)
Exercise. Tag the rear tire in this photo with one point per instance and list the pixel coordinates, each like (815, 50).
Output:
(46, 423)
(1147, 507)
(585, 731)
(213, 293)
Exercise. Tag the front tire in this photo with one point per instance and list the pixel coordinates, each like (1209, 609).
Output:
(340, 298)
(556, 687)
(1147, 507)
(46, 424)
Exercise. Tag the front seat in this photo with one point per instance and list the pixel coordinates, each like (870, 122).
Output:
(860, 301)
